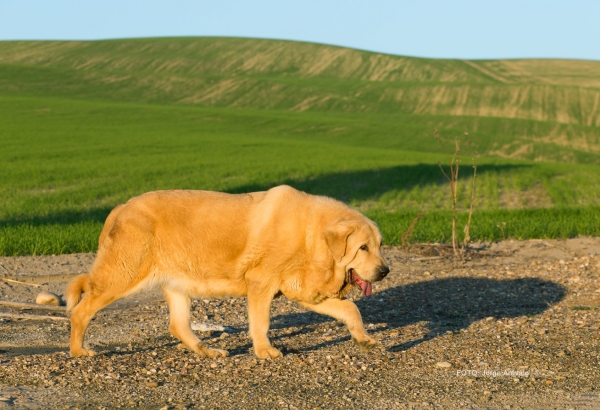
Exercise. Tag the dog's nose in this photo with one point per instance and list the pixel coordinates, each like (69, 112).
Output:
(383, 271)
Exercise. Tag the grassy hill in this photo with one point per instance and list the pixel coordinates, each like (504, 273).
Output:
(248, 73)
(86, 125)
(559, 100)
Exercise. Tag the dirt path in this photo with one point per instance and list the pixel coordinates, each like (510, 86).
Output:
(517, 326)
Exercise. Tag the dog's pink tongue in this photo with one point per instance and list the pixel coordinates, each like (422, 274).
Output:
(364, 285)
(366, 288)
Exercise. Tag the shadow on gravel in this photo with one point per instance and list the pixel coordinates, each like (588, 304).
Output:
(446, 304)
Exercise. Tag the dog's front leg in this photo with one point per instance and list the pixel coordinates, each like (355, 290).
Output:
(259, 307)
(346, 312)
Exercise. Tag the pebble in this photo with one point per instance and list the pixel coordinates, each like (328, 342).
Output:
(48, 298)
(207, 327)
(443, 364)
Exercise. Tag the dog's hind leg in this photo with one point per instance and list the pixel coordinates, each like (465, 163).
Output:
(109, 280)
(346, 312)
(122, 265)
(179, 312)
(81, 316)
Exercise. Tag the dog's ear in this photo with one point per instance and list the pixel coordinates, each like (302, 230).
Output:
(336, 235)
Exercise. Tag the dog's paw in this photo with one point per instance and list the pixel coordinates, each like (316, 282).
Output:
(366, 344)
(202, 350)
(82, 352)
(217, 353)
(267, 353)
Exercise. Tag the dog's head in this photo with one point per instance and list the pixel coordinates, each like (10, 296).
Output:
(355, 244)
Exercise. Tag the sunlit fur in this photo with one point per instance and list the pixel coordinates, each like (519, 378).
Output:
(201, 244)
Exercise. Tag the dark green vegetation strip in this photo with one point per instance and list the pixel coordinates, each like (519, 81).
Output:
(493, 225)
(87, 125)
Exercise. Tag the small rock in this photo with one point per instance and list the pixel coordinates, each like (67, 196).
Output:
(207, 327)
(214, 365)
(487, 393)
(152, 384)
(443, 364)
(48, 298)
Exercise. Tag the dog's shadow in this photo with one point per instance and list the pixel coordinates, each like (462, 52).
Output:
(447, 304)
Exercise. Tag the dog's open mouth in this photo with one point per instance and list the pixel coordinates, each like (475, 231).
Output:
(364, 285)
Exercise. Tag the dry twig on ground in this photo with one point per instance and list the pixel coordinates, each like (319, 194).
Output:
(24, 316)
(24, 305)
(35, 285)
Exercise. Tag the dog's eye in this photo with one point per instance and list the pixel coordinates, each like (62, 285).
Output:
(364, 248)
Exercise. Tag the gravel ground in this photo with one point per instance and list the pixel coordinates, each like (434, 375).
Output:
(515, 326)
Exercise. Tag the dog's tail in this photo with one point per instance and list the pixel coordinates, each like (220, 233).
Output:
(80, 284)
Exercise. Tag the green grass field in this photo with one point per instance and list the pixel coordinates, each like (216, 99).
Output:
(87, 125)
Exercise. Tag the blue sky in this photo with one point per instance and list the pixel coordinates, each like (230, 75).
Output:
(468, 29)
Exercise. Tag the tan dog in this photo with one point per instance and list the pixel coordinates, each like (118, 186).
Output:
(201, 244)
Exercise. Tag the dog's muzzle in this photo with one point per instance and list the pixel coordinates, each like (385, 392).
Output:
(382, 271)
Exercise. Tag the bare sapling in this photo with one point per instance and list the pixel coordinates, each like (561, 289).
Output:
(452, 176)
(453, 179)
